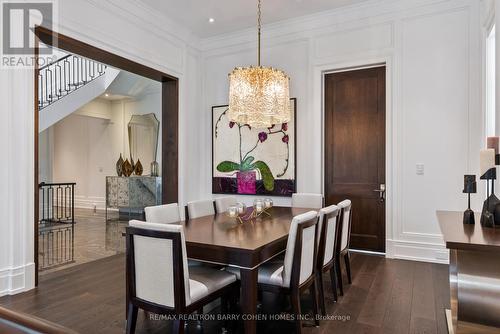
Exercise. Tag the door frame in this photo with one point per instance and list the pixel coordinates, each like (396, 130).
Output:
(169, 106)
(391, 160)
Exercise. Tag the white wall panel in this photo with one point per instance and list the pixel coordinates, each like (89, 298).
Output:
(435, 112)
(354, 41)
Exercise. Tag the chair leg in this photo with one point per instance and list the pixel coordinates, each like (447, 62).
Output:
(347, 259)
(131, 318)
(321, 292)
(224, 310)
(179, 327)
(295, 300)
(333, 279)
(199, 322)
(313, 291)
(339, 277)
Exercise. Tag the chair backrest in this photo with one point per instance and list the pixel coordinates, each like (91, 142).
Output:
(163, 214)
(300, 254)
(201, 208)
(328, 229)
(305, 200)
(157, 267)
(222, 203)
(346, 217)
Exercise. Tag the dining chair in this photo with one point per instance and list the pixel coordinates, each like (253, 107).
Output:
(222, 203)
(166, 214)
(328, 228)
(343, 247)
(296, 272)
(307, 200)
(195, 209)
(163, 214)
(159, 280)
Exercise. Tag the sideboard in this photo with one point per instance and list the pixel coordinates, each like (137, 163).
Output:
(132, 193)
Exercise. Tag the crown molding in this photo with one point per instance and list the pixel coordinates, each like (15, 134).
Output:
(336, 19)
(148, 19)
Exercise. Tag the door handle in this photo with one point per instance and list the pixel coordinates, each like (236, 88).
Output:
(381, 193)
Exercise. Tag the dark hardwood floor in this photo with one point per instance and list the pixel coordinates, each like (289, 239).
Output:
(386, 296)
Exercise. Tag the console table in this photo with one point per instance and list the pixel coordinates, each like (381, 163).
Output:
(474, 274)
(133, 192)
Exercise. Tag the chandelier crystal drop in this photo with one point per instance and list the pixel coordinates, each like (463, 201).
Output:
(259, 96)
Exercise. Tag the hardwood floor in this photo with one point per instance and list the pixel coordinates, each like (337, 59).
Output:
(386, 296)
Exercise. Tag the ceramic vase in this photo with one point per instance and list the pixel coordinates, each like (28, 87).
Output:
(138, 168)
(155, 168)
(127, 168)
(119, 166)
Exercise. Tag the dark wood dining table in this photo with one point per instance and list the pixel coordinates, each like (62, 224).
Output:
(223, 240)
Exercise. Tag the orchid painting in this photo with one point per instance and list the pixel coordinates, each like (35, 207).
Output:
(253, 161)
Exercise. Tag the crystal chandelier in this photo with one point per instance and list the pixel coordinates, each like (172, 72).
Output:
(259, 96)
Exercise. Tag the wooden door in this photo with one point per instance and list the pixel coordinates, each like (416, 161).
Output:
(355, 151)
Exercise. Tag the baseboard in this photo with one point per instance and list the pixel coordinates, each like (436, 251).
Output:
(16, 280)
(84, 202)
(417, 251)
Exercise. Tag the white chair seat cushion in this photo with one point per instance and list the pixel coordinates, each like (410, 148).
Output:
(205, 280)
(270, 272)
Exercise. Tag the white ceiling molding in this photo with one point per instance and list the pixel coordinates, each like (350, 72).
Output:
(373, 11)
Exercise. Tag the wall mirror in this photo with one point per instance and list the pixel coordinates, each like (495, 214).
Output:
(143, 138)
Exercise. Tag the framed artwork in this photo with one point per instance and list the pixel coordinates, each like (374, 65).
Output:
(248, 161)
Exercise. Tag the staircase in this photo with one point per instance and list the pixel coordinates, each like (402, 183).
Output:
(63, 77)
(69, 83)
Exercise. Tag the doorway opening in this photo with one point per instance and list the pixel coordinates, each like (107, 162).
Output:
(98, 115)
(354, 150)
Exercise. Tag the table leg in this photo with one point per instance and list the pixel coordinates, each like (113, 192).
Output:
(248, 299)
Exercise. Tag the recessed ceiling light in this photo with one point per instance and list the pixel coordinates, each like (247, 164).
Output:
(211, 20)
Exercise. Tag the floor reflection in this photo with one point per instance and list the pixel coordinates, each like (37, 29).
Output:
(94, 238)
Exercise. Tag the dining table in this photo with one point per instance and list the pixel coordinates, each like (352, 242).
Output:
(224, 240)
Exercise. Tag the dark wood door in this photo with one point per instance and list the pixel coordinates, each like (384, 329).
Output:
(355, 151)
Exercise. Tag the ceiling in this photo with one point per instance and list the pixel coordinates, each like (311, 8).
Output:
(232, 15)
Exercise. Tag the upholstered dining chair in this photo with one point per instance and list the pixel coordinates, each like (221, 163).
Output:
(296, 272)
(222, 203)
(163, 214)
(159, 280)
(343, 246)
(195, 209)
(166, 214)
(306, 200)
(328, 228)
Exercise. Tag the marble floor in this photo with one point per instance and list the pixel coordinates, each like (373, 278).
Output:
(94, 238)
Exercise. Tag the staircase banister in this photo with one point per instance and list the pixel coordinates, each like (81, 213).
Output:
(54, 62)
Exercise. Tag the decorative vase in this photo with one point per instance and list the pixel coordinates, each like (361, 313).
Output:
(119, 166)
(246, 182)
(154, 168)
(127, 168)
(138, 168)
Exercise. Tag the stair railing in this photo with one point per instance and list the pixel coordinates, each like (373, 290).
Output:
(62, 77)
(56, 227)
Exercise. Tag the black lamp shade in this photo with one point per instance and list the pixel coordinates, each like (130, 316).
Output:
(470, 184)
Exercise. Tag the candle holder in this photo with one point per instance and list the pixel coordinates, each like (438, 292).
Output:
(470, 187)
(489, 205)
(259, 208)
